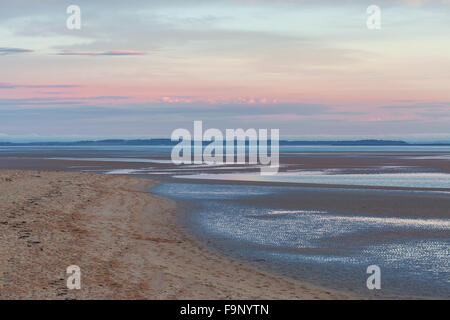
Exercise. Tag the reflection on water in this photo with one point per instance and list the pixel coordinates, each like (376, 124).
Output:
(413, 180)
(318, 246)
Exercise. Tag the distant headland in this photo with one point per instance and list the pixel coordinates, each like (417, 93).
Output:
(168, 142)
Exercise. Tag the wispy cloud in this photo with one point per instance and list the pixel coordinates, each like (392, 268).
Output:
(51, 102)
(430, 105)
(9, 51)
(105, 53)
(5, 85)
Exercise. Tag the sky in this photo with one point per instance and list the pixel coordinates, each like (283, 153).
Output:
(140, 69)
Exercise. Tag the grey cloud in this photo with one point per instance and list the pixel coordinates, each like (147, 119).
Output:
(105, 53)
(232, 109)
(431, 105)
(8, 51)
(434, 115)
(163, 108)
(51, 102)
(4, 85)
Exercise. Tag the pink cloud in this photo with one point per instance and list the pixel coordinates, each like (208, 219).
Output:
(278, 117)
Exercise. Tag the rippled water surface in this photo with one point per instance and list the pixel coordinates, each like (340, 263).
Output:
(319, 246)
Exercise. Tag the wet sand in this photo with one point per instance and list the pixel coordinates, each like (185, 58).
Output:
(374, 161)
(125, 240)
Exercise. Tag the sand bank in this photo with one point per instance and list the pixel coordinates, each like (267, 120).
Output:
(124, 239)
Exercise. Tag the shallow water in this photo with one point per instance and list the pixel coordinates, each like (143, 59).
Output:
(317, 246)
(413, 180)
(135, 160)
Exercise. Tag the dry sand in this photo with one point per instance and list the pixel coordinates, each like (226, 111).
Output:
(124, 239)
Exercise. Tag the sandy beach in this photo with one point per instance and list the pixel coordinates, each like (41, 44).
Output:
(124, 239)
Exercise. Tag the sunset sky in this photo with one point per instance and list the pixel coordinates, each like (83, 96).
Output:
(144, 68)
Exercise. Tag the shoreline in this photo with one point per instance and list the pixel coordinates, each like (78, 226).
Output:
(125, 240)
